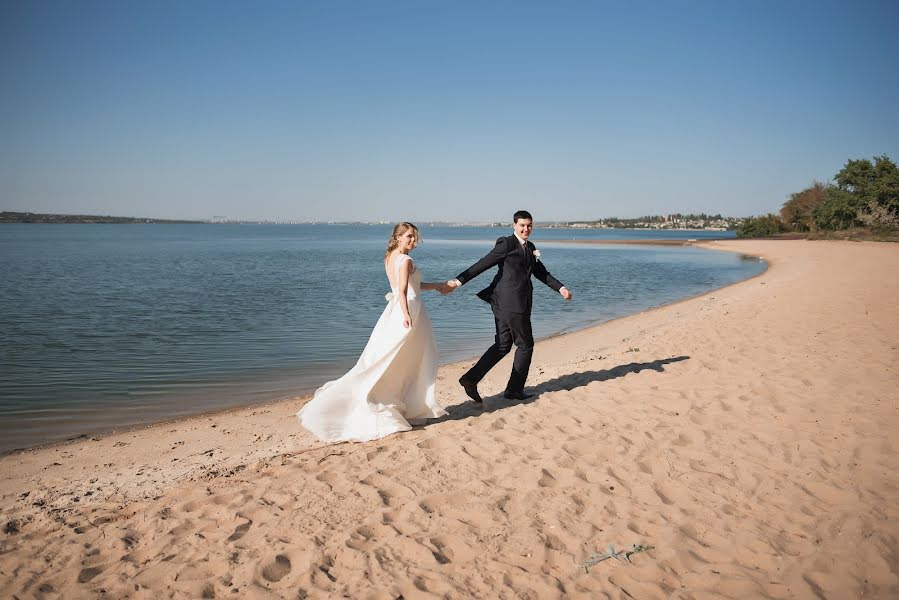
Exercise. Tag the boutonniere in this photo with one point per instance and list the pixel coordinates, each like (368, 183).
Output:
(536, 254)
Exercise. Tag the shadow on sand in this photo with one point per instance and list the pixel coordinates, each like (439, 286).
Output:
(565, 382)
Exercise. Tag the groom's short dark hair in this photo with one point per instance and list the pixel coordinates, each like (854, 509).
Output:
(522, 214)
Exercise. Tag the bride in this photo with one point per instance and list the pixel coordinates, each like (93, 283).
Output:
(393, 381)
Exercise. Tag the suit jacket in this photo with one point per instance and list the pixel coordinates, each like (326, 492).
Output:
(511, 290)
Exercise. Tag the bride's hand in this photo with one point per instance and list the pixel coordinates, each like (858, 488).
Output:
(407, 322)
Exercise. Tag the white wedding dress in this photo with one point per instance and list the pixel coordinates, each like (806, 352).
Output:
(391, 385)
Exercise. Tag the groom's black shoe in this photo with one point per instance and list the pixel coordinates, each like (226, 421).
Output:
(516, 395)
(471, 389)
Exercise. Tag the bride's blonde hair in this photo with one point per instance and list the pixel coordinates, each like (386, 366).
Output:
(398, 230)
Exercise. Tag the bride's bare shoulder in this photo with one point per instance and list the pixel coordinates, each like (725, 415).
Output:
(401, 258)
(398, 260)
(404, 262)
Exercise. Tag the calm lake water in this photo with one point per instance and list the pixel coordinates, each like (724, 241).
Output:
(106, 326)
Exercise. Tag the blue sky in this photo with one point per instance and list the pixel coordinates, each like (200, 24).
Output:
(425, 110)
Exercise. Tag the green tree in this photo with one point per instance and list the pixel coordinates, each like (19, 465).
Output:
(886, 184)
(838, 210)
(868, 182)
(857, 177)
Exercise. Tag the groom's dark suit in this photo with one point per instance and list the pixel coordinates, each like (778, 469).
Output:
(510, 294)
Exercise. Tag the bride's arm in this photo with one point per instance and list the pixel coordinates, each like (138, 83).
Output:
(402, 287)
(439, 286)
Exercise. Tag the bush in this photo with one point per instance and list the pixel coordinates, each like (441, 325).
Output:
(763, 226)
(879, 218)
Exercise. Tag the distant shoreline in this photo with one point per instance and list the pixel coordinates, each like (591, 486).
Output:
(24, 217)
(648, 242)
(52, 218)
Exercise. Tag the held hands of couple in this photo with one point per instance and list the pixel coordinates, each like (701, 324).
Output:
(448, 287)
(452, 284)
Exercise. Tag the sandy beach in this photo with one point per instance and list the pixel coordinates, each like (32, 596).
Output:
(749, 436)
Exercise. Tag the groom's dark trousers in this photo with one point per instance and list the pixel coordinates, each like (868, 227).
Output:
(510, 296)
(511, 328)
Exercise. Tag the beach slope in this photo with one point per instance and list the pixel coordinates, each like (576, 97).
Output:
(749, 436)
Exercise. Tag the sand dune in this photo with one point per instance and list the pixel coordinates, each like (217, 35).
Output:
(748, 435)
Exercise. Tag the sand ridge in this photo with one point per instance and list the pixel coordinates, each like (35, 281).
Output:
(748, 435)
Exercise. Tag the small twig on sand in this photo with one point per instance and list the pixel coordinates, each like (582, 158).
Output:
(102, 533)
(330, 455)
(622, 555)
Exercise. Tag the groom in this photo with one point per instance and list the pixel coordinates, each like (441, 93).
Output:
(510, 295)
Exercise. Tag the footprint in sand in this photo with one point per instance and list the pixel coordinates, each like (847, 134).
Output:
(276, 570)
(130, 539)
(547, 480)
(186, 526)
(660, 492)
(437, 443)
(373, 454)
(390, 492)
(788, 456)
(635, 527)
(89, 573)
(332, 480)
(224, 499)
(440, 557)
(374, 530)
(240, 531)
(579, 505)
(364, 536)
(586, 475)
(682, 440)
(451, 548)
(563, 460)
(698, 418)
(433, 504)
(619, 483)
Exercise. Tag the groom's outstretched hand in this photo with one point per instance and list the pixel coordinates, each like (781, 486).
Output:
(566, 293)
